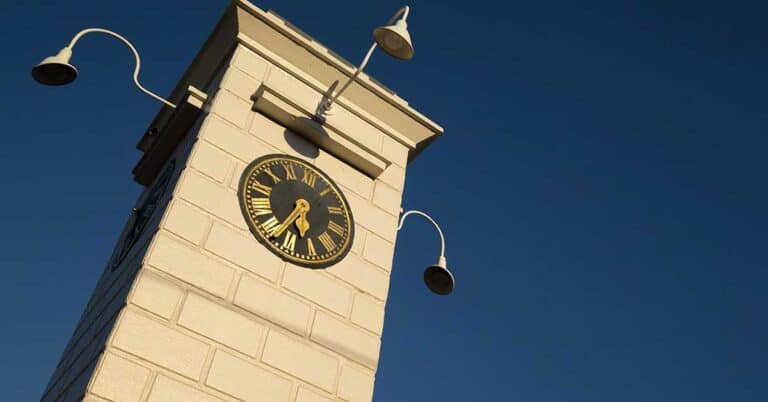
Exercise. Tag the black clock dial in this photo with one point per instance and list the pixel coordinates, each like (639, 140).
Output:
(296, 211)
(141, 216)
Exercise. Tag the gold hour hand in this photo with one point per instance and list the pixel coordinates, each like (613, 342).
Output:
(302, 224)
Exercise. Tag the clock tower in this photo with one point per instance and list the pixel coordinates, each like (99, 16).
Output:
(255, 265)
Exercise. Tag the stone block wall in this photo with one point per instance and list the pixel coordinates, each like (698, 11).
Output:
(87, 343)
(208, 314)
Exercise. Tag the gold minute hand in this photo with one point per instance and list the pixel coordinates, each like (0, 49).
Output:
(301, 207)
(287, 222)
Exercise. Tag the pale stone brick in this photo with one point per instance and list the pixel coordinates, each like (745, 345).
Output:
(387, 198)
(355, 385)
(363, 132)
(394, 175)
(305, 395)
(359, 241)
(210, 161)
(156, 294)
(93, 398)
(221, 324)
(119, 379)
(181, 261)
(371, 217)
(293, 89)
(394, 151)
(231, 108)
(232, 140)
(273, 305)
(161, 345)
(250, 62)
(368, 313)
(379, 251)
(316, 286)
(281, 138)
(237, 173)
(212, 197)
(300, 360)
(186, 221)
(168, 390)
(246, 381)
(363, 275)
(345, 174)
(243, 250)
(240, 83)
(345, 339)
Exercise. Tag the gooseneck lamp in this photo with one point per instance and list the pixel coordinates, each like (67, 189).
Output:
(56, 70)
(437, 277)
(393, 39)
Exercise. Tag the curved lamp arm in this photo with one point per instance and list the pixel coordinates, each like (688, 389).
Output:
(326, 104)
(429, 218)
(135, 54)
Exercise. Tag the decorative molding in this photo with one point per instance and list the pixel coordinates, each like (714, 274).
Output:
(320, 88)
(159, 145)
(337, 61)
(269, 101)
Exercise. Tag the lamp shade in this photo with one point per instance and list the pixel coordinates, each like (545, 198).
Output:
(55, 70)
(438, 278)
(395, 40)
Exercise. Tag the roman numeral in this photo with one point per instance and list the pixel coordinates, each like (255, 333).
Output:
(326, 241)
(274, 177)
(262, 188)
(309, 178)
(289, 173)
(289, 241)
(270, 226)
(261, 206)
(311, 248)
(335, 210)
(335, 228)
(326, 191)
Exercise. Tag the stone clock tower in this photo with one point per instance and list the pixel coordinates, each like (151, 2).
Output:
(192, 305)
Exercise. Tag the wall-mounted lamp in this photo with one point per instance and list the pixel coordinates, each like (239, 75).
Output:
(56, 70)
(437, 277)
(393, 39)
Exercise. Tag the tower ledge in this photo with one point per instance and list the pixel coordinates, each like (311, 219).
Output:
(305, 60)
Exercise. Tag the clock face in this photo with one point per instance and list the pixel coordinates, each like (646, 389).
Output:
(140, 216)
(296, 211)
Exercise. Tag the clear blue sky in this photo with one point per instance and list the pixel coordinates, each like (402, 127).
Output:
(601, 182)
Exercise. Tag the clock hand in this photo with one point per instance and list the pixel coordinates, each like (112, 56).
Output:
(301, 207)
(287, 222)
(302, 223)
